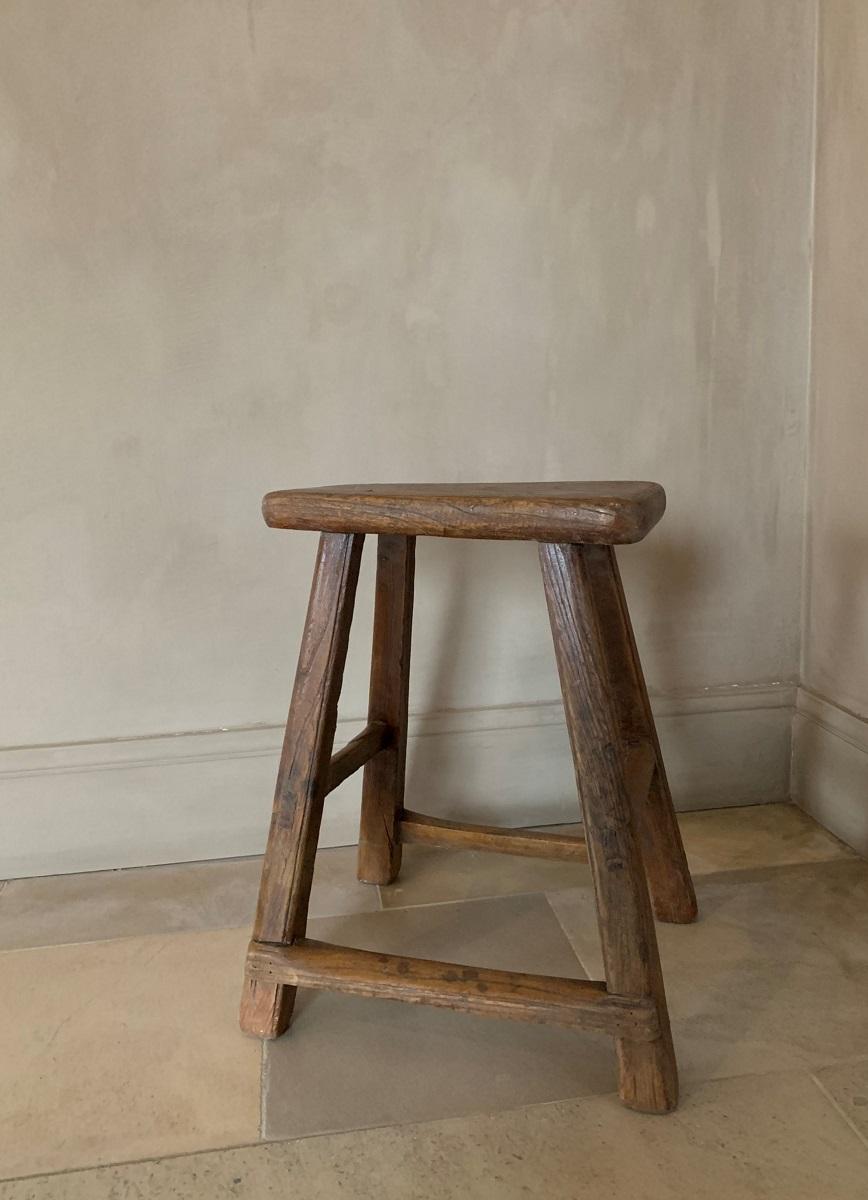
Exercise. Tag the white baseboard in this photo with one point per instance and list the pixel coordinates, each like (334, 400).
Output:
(830, 767)
(179, 798)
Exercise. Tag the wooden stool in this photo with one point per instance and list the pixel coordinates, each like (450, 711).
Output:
(630, 830)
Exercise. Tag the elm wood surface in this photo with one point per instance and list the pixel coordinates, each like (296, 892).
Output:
(536, 998)
(606, 512)
(302, 779)
(647, 1070)
(374, 738)
(530, 843)
(672, 891)
(626, 801)
(383, 784)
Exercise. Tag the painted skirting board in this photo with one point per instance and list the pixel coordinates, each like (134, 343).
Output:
(830, 767)
(189, 796)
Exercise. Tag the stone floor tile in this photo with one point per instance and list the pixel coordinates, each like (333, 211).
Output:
(433, 876)
(772, 976)
(349, 1062)
(96, 905)
(763, 835)
(124, 1049)
(743, 1139)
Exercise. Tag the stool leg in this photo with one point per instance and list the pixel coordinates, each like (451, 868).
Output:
(648, 1072)
(383, 785)
(662, 848)
(287, 871)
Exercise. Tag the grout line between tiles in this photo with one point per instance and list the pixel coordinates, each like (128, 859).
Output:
(569, 940)
(124, 937)
(839, 1109)
(129, 1162)
(472, 899)
(263, 1068)
(266, 1142)
(718, 872)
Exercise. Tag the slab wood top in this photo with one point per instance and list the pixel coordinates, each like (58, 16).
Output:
(601, 512)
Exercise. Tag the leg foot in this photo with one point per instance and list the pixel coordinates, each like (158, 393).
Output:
(266, 1008)
(648, 1077)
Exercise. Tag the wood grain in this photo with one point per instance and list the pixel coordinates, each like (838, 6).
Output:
(648, 1073)
(606, 512)
(669, 878)
(303, 774)
(537, 998)
(383, 785)
(529, 843)
(619, 768)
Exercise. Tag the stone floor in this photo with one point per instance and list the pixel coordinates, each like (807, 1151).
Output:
(124, 1074)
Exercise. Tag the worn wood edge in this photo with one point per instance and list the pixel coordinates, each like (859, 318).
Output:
(266, 1009)
(540, 999)
(458, 835)
(620, 530)
(602, 519)
(376, 736)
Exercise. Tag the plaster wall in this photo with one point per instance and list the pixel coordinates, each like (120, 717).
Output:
(265, 244)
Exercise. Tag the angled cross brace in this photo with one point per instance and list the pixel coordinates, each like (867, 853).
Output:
(375, 737)
(543, 999)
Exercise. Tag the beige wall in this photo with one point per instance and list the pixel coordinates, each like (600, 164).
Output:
(831, 742)
(271, 244)
(836, 641)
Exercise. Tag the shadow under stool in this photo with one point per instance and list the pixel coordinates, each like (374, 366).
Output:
(631, 837)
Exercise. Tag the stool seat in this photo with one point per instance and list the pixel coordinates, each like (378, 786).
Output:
(596, 512)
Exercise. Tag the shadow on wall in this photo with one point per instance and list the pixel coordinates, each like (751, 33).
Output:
(482, 642)
(839, 639)
(448, 562)
(468, 592)
(665, 581)
(830, 729)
